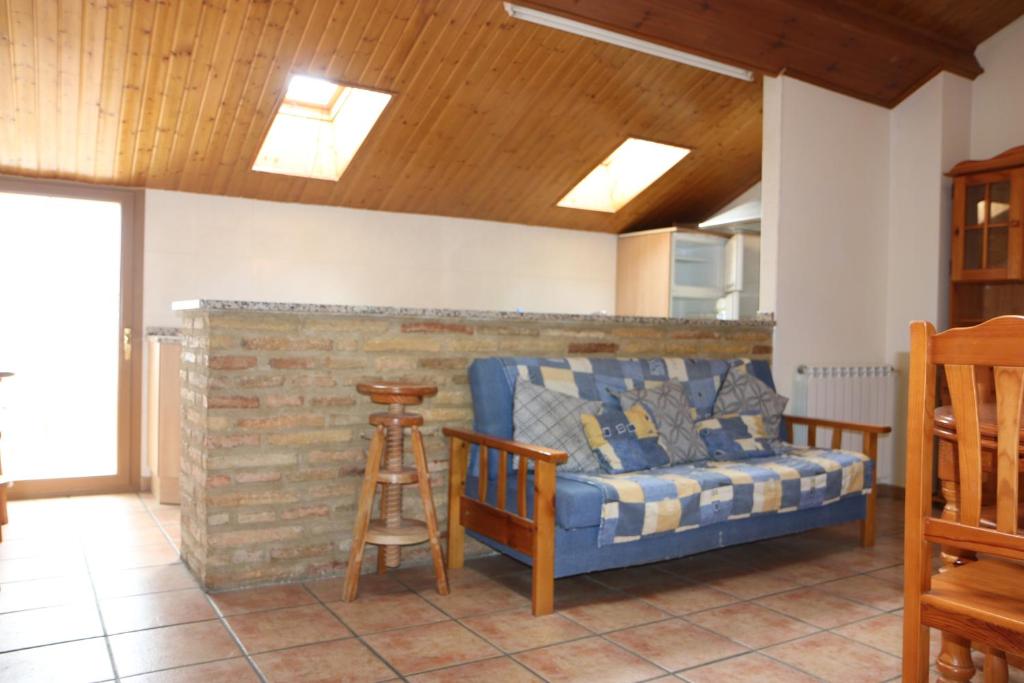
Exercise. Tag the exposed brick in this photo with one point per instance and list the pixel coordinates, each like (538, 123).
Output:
(234, 402)
(296, 363)
(254, 536)
(345, 363)
(287, 344)
(284, 400)
(299, 551)
(232, 362)
(260, 381)
(761, 350)
(443, 363)
(256, 477)
(436, 328)
(218, 480)
(231, 440)
(412, 343)
(306, 511)
(309, 438)
(394, 363)
(251, 498)
(332, 401)
(231, 460)
(257, 517)
(281, 422)
(593, 347)
(312, 381)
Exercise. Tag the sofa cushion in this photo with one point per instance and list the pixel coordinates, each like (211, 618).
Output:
(671, 410)
(624, 441)
(548, 418)
(673, 500)
(743, 393)
(600, 379)
(734, 436)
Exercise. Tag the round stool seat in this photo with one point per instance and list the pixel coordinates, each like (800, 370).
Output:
(396, 392)
(396, 419)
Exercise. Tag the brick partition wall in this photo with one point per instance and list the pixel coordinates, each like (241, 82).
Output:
(274, 433)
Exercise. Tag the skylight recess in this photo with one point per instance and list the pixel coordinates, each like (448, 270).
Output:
(628, 171)
(318, 128)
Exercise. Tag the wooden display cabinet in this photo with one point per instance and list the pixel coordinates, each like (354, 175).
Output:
(988, 238)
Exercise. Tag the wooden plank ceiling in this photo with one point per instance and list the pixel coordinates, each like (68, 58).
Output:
(492, 118)
(875, 50)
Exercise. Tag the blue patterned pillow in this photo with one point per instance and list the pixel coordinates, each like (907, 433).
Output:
(733, 436)
(624, 441)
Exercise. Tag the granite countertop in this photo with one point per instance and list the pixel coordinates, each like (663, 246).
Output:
(164, 333)
(396, 312)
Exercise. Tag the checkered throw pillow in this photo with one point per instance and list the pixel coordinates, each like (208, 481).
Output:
(547, 418)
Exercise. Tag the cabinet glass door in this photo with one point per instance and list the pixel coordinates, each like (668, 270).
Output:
(983, 236)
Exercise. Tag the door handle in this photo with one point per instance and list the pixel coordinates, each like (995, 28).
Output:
(126, 343)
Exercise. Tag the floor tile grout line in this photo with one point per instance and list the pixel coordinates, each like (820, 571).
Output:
(103, 622)
(209, 600)
(355, 635)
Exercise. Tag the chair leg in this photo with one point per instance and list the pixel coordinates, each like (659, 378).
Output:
(423, 476)
(355, 556)
(916, 656)
(995, 666)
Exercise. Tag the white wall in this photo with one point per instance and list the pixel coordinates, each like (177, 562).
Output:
(929, 132)
(204, 246)
(857, 211)
(828, 212)
(997, 96)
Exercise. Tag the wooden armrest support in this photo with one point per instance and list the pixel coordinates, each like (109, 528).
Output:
(870, 433)
(837, 424)
(533, 537)
(526, 450)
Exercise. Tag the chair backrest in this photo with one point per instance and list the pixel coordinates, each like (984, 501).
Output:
(967, 354)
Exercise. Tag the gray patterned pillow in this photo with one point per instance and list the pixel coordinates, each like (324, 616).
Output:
(745, 394)
(547, 418)
(670, 408)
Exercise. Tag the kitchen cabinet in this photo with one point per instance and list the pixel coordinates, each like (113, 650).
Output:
(686, 273)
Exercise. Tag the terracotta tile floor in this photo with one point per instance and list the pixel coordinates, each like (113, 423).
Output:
(91, 590)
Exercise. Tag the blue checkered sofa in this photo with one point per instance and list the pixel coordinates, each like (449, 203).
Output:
(569, 541)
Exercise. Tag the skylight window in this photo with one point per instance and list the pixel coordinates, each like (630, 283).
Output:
(318, 128)
(628, 171)
(312, 92)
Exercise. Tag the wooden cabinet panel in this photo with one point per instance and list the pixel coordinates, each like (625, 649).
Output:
(163, 419)
(987, 238)
(643, 274)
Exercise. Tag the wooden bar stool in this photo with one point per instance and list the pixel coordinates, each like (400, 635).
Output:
(391, 531)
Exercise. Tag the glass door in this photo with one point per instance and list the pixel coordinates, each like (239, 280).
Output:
(67, 339)
(986, 239)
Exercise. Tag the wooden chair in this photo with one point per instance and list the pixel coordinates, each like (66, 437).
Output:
(980, 601)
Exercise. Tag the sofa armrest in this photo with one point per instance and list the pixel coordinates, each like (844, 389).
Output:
(526, 450)
(870, 434)
(533, 537)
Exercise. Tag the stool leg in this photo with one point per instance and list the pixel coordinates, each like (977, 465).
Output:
(355, 556)
(423, 480)
(382, 566)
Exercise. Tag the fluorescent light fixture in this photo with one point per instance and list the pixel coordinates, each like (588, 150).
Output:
(605, 36)
(628, 171)
(318, 128)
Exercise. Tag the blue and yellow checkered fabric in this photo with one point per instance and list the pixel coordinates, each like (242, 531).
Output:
(599, 379)
(675, 499)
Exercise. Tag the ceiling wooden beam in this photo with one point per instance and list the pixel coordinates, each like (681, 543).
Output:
(831, 43)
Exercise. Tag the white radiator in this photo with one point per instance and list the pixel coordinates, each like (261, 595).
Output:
(854, 393)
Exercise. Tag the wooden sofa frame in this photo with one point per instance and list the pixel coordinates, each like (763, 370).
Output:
(536, 537)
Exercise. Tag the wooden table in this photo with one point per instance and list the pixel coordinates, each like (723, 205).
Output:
(954, 660)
